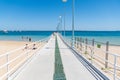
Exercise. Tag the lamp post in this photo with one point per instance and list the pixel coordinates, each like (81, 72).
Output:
(64, 15)
(64, 0)
(57, 28)
(73, 8)
(60, 23)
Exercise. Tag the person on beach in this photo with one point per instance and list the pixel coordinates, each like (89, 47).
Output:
(26, 46)
(34, 46)
(29, 39)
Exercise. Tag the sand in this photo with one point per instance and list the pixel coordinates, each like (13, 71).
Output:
(7, 46)
(99, 57)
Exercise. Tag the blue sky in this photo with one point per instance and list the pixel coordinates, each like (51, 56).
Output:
(44, 14)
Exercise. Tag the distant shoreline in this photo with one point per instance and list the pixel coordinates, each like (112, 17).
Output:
(101, 36)
(63, 30)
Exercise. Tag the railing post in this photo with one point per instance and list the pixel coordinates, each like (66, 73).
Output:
(92, 52)
(78, 42)
(81, 44)
(83, 41)
(74, 41)
(106, 56)
(71, 42)
(7, 65)
(86, 42)
(115, 62)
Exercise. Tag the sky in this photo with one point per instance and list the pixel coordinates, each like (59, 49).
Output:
(90, 15)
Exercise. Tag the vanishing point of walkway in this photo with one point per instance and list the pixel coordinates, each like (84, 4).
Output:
(42, 66)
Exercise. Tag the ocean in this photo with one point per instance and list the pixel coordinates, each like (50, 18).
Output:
(102, 36)
(23, 35)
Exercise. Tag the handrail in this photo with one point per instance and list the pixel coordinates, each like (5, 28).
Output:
(7, 53)
(91, 68)
(11, 70)
(7, 74)
(115, 56)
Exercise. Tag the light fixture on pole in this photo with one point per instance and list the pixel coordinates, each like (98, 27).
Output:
(57, 28)
(60, 23)
(73, 8)
(64, 0)
(64, 16)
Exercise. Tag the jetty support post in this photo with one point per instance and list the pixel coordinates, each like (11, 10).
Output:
(78, 42)
(81, 44)
(106, 55)
(115, 64)
(75, 42)
(92, 50)
(7, 65)
(86, 43)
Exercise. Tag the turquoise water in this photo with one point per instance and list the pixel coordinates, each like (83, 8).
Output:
(19, 37)
(102, 36)
(103, 39)
(22, 35)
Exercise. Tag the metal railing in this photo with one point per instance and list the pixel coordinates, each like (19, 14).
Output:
(90, 49)
(15, 59)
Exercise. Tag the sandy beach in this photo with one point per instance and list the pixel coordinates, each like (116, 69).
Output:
(7, 46)
(99, 57)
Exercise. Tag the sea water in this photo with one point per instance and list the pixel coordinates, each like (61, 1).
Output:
(23, 35)
(101, 36)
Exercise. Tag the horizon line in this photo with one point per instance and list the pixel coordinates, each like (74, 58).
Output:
(61, 30)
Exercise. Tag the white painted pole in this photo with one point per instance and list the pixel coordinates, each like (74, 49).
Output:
(64, 15)
(115, 62)
(7, 66)
(73, 22)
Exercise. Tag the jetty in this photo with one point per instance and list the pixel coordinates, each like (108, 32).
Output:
(56, 60)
